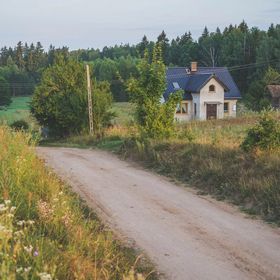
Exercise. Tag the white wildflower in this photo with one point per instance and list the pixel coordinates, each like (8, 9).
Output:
(13, 209)
(28, 249)
(19, 269)
(27, 269)
(7, 202)
(45, 276)
(20, 223)
(3, 208)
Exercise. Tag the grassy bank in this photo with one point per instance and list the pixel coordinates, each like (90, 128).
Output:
(45, 231)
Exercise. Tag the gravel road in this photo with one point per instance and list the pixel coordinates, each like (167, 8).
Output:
(187, 236)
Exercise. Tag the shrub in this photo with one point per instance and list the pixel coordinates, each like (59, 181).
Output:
(20, 125)
(265, 135)
(155, 120)
(60, 101)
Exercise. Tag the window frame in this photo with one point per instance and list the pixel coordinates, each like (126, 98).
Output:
(226, 111)
(212, 87)
(180, 111)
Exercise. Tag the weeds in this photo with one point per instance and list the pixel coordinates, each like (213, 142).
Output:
(44, 231)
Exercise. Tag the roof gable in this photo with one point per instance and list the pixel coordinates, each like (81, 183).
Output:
(197, 82)
(191, 82)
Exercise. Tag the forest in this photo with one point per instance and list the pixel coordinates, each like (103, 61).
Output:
(248, 52)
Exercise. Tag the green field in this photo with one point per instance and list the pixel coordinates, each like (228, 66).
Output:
(18, 109)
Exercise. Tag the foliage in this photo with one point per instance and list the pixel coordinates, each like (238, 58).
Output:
(155, 119)
(102, 104)
(20, 125)
(5, 95)
(46, 232)
(265, 135)
(258, 98)
(60, 101)
(248, 52)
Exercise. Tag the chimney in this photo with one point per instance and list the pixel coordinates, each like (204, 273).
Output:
(194, 67)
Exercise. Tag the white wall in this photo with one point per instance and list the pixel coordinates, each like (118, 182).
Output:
(232, 104)
(185, 117)
(213, 97)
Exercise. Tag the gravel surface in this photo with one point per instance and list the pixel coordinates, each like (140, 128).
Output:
(187, 236)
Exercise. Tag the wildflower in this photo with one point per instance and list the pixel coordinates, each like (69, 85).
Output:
(36, 253)
(20, 223)
(27, 269)
(30, 222)
(45, 276)
(13, 209)
(19, 233)
(19, 269)
(7, 202)
(28, 249)
(44, 209)
(3, 208)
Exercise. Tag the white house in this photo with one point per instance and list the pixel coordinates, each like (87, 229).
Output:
(209, 93)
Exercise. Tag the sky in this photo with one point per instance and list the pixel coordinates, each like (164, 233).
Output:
(95, 24)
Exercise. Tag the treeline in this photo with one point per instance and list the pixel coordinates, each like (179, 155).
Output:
(247, 52)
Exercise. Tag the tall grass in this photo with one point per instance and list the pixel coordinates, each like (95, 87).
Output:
(45, 231)
(207, 155)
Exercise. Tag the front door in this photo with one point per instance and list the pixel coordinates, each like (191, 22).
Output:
(211, 111)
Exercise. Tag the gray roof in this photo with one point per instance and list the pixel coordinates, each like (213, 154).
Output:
(193, 82)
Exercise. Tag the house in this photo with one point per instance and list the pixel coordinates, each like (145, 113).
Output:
(209, 93)
(274, 95)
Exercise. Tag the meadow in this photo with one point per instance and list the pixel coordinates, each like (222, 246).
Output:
(17, 110)
(47, 232)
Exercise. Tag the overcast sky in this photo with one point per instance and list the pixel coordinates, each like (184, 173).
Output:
(96, 23)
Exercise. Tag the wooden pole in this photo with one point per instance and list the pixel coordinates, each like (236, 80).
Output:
(90, 114)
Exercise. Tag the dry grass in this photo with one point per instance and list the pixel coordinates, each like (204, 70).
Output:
(45, 230)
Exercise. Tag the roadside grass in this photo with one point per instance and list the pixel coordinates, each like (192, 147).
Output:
(47, 232)
(17, 110)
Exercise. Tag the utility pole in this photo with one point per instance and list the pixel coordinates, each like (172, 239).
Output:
(90, 114)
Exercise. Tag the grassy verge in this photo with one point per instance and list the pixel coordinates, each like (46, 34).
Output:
(46, 232)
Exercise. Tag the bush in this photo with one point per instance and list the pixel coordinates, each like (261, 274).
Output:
(155, 120)
(60, 101)
(265, 135)
(20, 125)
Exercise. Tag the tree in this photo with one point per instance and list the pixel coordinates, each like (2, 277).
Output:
(143, 46)
(155, 120)
(60, 101)
(5, 93)
(164, 42)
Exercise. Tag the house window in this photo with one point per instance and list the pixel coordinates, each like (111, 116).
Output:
(176, 85)
(212, 88)
(195, 109)
(183, 108)
(226, 107)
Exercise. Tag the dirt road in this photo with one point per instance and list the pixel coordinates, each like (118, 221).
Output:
(187, 236)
